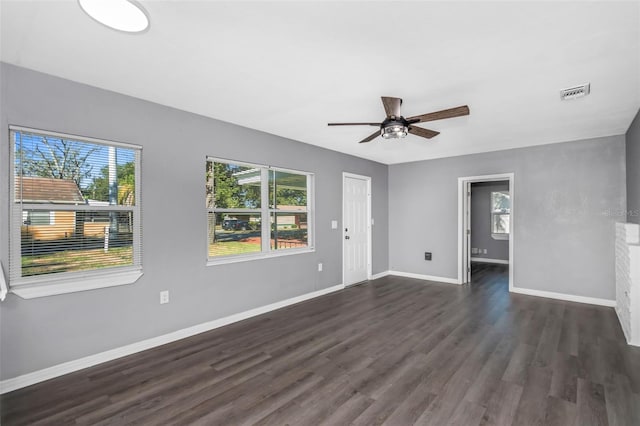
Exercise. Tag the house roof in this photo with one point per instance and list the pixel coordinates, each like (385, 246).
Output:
(48, 190)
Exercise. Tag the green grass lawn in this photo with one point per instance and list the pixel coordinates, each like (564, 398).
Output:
(75, 260)
(234, 247)
(250, 245)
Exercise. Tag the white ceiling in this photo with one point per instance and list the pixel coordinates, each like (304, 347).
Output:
(288, 68)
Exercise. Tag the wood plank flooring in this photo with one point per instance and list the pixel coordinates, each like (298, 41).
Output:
(394, 351)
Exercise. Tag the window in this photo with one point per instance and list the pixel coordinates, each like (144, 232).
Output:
(500, 212)
(38, 217)
(75, 213)
(256, 211)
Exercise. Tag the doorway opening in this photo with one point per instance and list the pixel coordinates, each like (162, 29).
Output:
(492, 240)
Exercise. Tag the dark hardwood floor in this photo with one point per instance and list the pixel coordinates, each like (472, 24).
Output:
(394, 351)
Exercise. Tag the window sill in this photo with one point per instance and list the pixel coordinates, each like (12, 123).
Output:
(500, 236)
(33, 288)
(238, 259)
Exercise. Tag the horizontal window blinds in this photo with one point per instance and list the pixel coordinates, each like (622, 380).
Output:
(75, 205)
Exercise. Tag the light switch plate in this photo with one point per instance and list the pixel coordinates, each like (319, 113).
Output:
(334, 224)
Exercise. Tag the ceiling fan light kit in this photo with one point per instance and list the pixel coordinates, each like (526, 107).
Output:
(395, 126)
(394, 132)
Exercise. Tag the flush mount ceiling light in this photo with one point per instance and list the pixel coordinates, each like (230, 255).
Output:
(121, 15)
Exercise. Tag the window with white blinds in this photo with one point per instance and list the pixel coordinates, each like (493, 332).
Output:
(257, 211)
(75, 207)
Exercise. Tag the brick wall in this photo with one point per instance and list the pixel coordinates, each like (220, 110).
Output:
(628, 280)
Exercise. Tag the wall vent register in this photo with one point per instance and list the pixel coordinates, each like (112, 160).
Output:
(575, 92)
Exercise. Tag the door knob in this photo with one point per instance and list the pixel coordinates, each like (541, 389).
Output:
(346, 237)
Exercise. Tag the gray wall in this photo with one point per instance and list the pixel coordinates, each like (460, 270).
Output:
(39, 333)
(481, 221)
(566, 196)
(633, 171)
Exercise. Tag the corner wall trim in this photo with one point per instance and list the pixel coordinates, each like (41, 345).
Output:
(425, 277)
(566, 297)
(29, 379)
(487, 260)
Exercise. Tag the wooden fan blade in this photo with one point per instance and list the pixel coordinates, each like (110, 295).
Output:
(391, 106)
(439, 115)
(353, 124)
(425, 133)
(370, 138)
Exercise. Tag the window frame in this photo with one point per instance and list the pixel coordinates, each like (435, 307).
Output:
(494, 213)
(265, 211)
(74, 281)
(29, 219)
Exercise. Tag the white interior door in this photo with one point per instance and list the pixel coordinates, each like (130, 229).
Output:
(356, 223)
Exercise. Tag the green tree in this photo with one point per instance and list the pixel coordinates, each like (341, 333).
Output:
(98, 189)
(291, 197)
(226, 186)
(225, 191)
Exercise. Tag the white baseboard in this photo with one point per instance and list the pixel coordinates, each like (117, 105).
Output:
(425, 277)
(379, 275)
(487, 260)
(29, 379)
(566, 297)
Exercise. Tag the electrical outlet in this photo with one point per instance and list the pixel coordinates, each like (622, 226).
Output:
(427, 255)
(484, 251)
(319, 267)
(474, 250)
(164, 297)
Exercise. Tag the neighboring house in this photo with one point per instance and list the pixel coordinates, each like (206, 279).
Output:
(34, 190)
(292, 220)
(284, 220)
(96, 221)
(46, 224)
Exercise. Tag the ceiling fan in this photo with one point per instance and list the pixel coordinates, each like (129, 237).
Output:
(396, 126)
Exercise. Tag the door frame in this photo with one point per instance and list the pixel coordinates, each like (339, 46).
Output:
(463, 248)
(346, 175)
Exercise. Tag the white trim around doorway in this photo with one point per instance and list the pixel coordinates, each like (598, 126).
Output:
(462, 205)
